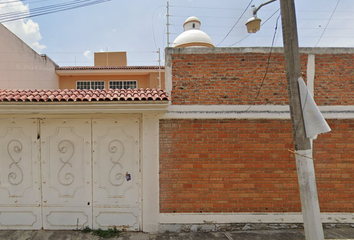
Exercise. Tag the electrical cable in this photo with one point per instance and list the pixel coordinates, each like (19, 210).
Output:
(267, 67)
(11, 5)
(152, 23)
(48, 10)
(327, 23)
(205, 7)
(185, 16)
(303, 11)
(235, 23)
(11, 1)
(44, 8)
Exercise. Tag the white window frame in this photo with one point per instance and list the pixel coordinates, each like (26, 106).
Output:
(124, 83)
(91, 82)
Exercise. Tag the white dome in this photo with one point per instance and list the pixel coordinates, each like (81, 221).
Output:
(192, 35)
(195, 37)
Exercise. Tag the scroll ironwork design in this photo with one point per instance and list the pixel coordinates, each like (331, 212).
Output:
(14, 147)
(117, 149)
(66, 148)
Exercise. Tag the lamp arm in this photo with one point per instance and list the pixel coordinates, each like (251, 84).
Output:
(259, 7)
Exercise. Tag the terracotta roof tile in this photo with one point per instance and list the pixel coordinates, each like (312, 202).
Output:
(109, 67)
(75, 95)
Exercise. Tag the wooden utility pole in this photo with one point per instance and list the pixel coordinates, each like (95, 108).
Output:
(304, 161)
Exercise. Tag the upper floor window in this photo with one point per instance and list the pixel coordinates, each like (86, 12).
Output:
(90, 85)
(124, 84)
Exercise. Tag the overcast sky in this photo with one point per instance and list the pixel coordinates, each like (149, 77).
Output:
(139, 27)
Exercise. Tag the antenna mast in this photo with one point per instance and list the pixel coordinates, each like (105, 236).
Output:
(168, 23)
(159, 52)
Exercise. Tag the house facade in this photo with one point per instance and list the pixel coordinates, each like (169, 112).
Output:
(210, 152)
(21, 67)
(110, 71)
(73, 156)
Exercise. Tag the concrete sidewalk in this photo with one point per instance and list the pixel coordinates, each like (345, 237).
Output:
(295, 234)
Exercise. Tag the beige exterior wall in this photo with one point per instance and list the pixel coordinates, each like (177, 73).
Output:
(110, 59)
(144, 81)
(21, 67)
(154, 80)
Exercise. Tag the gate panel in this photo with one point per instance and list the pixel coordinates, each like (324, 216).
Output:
(66, 173)
(116, 173)
(19, 174)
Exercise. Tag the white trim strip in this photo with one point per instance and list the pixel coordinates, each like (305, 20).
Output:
(255, 112)
(199, 218)
(78, 108)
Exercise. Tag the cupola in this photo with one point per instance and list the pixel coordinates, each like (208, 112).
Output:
(192, 35)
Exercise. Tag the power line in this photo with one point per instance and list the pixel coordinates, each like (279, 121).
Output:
(185, 16)
(242, 27)
(10, 2)
(9, 5)
(298, 10)
(205, 7)
(235, 23)
(8, 17)
(327, 23)
(152, 23)
(15, 13)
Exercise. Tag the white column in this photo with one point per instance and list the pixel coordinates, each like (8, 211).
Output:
(168, 71)
(310, 72)
(150, 172)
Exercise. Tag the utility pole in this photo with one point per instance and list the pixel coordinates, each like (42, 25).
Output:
(304, 161)
(168, 23)
(159, 52)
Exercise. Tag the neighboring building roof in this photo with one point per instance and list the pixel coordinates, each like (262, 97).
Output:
(108, 67)
(192, 35)
(75, 95)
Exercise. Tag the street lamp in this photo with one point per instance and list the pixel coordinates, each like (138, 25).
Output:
(254, 23)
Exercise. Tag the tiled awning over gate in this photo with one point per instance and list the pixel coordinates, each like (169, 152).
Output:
(76, 95)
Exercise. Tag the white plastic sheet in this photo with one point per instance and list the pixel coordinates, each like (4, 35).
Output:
(314, 121)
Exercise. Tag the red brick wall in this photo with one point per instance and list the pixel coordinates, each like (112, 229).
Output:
(226, 79)
(334, 79)
(244, 166)
(334, 162)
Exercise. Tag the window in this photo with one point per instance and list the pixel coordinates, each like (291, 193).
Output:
(90, 84)
(123, 84)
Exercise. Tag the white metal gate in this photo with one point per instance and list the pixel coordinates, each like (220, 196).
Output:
(69, 173)
(116, 173)
(66, 173)
(19, 175)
